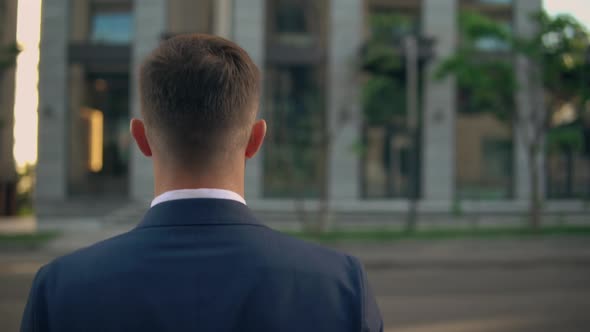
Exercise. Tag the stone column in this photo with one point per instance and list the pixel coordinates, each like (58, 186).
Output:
(77, 142)
(77, 131)
(222, 22)
(439, 21)
(524, 27)
(150, 25)
(343, 107)
(51, 182)
(249, 32)
(79, 20)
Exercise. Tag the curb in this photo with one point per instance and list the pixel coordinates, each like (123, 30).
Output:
(519, 263)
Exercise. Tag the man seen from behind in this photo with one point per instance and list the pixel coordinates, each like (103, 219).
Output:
(199, 260)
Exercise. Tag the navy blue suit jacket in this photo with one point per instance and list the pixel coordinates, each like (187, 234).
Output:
(202, 265)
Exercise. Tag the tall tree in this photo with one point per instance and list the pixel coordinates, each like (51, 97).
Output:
(8, 55)
(554, 65)
(389, 95)
(8, 52)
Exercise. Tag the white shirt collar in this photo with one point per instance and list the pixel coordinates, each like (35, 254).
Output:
(198, 193)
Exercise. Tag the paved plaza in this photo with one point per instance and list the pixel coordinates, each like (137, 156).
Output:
(448, 285)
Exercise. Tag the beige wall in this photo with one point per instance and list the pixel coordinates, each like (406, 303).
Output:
(79, 20)
(7, 35)
(223, 16)
(471, 131)
(190, 16)
(78, 144)
(79, 30)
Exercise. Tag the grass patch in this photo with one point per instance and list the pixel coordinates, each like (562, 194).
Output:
(33, 240)
(25, 211)
(386, 235)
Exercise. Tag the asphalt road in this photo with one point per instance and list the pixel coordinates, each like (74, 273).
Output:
(543, 297)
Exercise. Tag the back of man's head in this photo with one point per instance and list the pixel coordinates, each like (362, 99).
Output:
(199, 97)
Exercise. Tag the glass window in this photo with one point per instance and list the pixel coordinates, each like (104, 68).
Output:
(491, 44)
(568, 160)
(100, 143)
(386, 167)
(484, 133)
(290, 17)
(503, 15)
(294, 99)
(294, 109)
(387, 143)
(389, 24)
(112, 25)
(496, 2)
(296, 23)
(568, 175)
(484, 155)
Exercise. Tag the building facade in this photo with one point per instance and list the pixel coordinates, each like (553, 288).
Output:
(308, 52)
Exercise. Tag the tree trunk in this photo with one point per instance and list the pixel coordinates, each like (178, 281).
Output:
(323, 216)
(535, 182)
(8, 174)
(324, 199)
(8, 198)
(300, 213)
(299, 202)
(412, 216)
(569, 184)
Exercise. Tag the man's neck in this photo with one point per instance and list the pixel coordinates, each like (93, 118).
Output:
(158, 190)
(229, 177)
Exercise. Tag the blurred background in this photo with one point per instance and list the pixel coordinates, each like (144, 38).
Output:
(444, 142)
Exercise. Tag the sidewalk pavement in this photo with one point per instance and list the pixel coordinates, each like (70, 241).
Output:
(18, 225)
(447, 253)
(473, 253)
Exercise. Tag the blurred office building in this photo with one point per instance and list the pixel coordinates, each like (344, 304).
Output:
(320, 142)
(8, 176)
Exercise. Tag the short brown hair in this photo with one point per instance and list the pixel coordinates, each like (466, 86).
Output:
(199, 95)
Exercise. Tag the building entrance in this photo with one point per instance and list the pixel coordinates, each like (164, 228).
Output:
(99, 137)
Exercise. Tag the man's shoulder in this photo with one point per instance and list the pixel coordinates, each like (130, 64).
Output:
(286, 250)
(262, 246)
(97, 255)
(304, 246)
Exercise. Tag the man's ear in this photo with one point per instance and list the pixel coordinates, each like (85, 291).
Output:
(139, 135)
(256, 138)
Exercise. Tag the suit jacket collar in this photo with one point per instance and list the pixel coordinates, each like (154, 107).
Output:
(198, 211)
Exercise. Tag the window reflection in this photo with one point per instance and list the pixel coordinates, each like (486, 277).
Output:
(496, 2)
(294, 98)
(484, 148)
(494, 44)
(290, 17)
(386, 140)
(296, 23)
(484, 153)
(568, 155)
(295, 112)
(99, 147)
(112, 25)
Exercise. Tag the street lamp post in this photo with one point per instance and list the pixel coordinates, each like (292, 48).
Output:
(414, 49)
(411, 56)
(585, 110)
